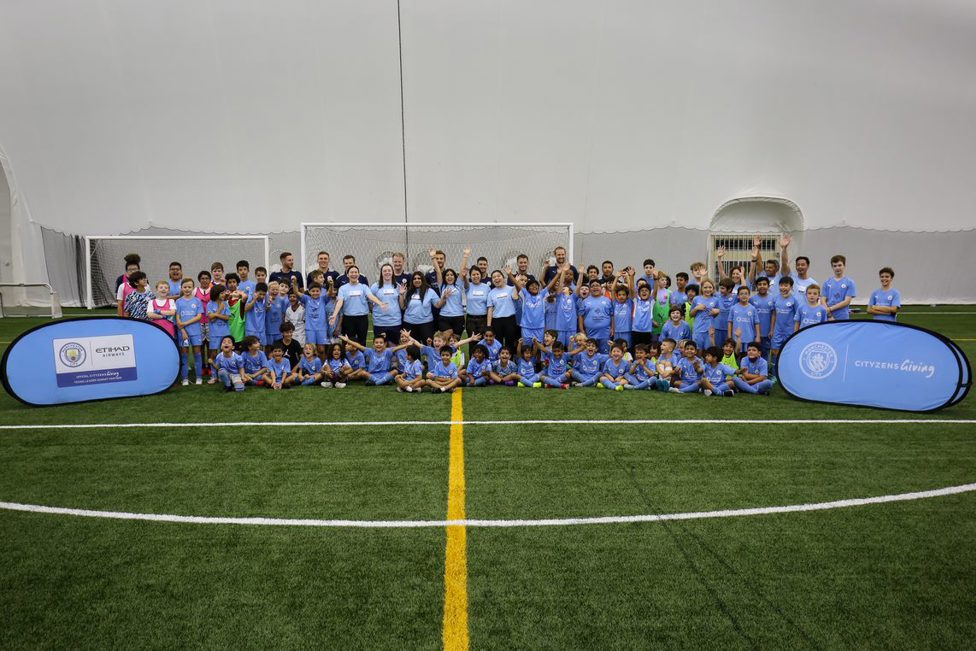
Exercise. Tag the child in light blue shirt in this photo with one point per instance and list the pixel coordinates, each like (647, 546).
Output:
(476, 375)
(885, 302)
(411, 377)
(556, 372)
(279, 369)
(676, 328)
(642, 374)
(443, 375)
(527, 375)
(812, 312)
(753, 374)
(689, 371)
(717, 378)
(615, 370)
(309, 367)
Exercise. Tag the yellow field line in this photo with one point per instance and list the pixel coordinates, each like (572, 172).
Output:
(456, 562)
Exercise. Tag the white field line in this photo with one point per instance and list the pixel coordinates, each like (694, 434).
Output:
(425, 423)
(549, 522)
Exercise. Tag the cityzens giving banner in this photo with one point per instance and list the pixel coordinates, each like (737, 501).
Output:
(874, 364)
(90, 358)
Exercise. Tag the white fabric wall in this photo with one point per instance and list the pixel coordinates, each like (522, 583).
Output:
(250, 116)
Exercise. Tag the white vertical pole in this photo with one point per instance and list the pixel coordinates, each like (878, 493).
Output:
(267, 252)
(304, 263)
(572, 244)
(89, 299)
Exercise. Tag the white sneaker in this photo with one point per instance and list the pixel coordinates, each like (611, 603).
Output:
(400, 389)
(185, 383)
(199, 380)
(340, 385)
(327, 385)
(409, 389)
(674, 390)
(419, 389)
(707, 392)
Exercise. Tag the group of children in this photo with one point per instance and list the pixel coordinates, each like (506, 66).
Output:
(677, 367)
(615, 331)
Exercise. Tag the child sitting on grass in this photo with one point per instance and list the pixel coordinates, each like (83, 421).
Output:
(411, 377)
(443, 375)
(476, 375)
(527, 374)
(336, 368)
(642, 374)
(556, 372)
(615, 370)
(255, 362)
(717, 378)
(378, 360)
(753, 376)
(280, 374)
(309, 367)
(689, 371)
(504, 371)
(229, 366)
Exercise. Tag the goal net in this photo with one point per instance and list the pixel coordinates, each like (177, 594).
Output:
(374, 244)
(29, 299)
(104, 261)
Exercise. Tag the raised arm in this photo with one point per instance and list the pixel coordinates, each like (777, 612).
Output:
(355, 344)
(720, 253)
(476, 337)
(756, 259)
(784, 264)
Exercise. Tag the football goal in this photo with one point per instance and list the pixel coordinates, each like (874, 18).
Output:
(104, 258)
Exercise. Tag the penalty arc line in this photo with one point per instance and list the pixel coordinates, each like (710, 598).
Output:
(462, 523)
(571, 421)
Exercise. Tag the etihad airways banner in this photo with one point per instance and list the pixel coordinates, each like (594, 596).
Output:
(874, 364)
(91, 358)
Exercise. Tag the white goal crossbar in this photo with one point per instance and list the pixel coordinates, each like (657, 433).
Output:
(373, 243)
(104, 253)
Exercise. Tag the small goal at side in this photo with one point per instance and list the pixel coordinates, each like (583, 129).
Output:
(29, 299)
(375, 244)
(104, 258)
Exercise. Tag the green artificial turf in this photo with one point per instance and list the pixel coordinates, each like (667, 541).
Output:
(892, 575)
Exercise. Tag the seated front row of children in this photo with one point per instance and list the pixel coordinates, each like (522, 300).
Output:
(666, 366)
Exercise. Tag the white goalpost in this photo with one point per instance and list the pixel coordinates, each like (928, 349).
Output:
(374, 244)
(104, 258)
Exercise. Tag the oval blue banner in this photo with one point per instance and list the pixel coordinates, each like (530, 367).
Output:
(874, 364)
(89, 358)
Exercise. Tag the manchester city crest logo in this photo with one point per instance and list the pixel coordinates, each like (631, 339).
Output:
(818, 360)
(72, 354)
